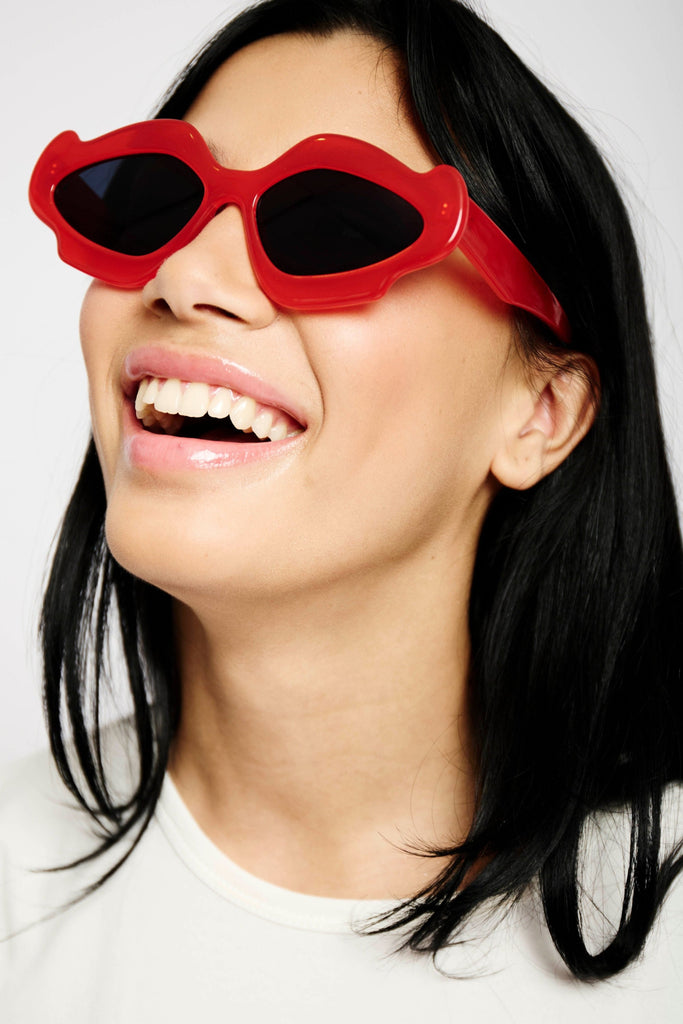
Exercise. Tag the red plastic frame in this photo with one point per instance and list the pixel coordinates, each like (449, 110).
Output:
(450, 218)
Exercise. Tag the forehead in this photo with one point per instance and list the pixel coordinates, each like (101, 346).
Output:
(282, 89)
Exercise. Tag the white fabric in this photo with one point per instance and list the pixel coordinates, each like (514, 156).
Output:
(181, 934)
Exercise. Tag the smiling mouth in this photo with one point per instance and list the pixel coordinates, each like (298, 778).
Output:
(194, 409)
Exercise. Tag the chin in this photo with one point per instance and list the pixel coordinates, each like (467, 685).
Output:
(191, 557)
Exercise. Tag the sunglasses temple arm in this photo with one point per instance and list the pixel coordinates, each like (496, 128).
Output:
(508, 272)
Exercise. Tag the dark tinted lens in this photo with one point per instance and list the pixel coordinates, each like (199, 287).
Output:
(133, 204)
(326, 222)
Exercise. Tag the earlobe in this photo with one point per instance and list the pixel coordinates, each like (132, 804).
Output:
(541, 428)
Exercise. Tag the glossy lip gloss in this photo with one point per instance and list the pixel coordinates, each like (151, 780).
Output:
(169, 452)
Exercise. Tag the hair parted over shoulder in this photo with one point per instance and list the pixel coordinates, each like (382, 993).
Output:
(575, 614)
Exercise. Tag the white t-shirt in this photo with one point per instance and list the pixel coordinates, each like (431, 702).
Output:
(181, 935)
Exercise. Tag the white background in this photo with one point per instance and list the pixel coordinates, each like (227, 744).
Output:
(93, 66)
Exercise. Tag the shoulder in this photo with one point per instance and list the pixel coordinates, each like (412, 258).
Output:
(33, 796)
(43, 825)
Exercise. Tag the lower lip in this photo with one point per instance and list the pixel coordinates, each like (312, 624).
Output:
(167, 453)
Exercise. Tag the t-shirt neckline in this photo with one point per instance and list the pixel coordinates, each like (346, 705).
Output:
(282, 906)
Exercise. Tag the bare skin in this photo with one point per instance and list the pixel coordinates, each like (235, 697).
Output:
(321, 602)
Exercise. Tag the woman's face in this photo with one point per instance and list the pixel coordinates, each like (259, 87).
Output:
(400, 399)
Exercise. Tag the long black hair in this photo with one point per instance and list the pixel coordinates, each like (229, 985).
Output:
(575, 610)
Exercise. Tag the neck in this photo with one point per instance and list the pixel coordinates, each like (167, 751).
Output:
(322, 734)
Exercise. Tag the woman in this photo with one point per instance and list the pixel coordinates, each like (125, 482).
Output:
(405, 669)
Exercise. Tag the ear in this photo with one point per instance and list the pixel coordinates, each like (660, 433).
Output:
(544, 420)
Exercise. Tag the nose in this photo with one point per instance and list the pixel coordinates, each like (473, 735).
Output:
(211, 275)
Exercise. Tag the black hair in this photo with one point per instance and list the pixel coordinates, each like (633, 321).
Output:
(576, 694)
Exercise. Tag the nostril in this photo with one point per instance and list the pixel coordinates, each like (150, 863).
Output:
(160, 307)
(216, 309)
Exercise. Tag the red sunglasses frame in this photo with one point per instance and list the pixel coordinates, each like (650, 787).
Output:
(440, 195)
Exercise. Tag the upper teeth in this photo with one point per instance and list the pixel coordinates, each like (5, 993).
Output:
(167, 401)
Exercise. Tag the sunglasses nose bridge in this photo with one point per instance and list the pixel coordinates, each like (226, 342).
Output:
(230, 188)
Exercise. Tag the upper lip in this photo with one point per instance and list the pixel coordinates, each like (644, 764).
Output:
(155, 361)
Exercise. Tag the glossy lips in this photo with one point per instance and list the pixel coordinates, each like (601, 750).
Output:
(169, 386)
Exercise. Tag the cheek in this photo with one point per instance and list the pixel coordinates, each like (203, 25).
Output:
(104, 315)
(412, 394)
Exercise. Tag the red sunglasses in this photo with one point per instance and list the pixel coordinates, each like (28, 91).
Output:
(331, 223)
